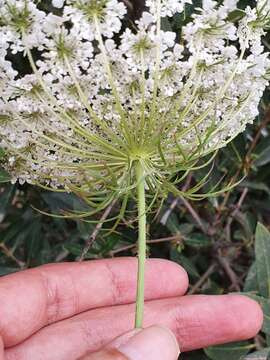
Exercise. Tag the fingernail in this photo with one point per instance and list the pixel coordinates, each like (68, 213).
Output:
(153, 343)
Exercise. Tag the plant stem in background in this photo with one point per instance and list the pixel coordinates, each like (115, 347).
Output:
(141, 245)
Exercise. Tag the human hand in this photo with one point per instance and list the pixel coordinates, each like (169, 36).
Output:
(72, 311)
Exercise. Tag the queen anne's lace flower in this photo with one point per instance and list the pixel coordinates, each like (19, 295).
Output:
(94, 103)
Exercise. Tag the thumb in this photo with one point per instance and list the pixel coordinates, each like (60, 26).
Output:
(153, 343)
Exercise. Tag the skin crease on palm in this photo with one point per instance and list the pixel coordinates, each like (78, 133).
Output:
(72, 311)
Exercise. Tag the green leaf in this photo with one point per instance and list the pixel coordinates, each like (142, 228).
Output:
(33, 239)
(196, 355)
(14, 231)
(173, 224)
(258, 355)
(74, 249)
(185, 228)
(185, 262)
(5, 270)
(263, 158)
(85, 229)
(198, 240)
(2, 153)
(6, 198)
(165, 24)
(256, 186)
(267, 341)
(251, 283)
(58, 201)
(236, 15)
(266, 319)
(4, 176)
(110, 243)
(232, 351)
(176, 228)
(262, 253)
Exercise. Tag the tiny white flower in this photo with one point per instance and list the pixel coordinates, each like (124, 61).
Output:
(58, 3)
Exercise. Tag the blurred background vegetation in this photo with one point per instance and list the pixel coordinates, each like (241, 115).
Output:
(213, 239)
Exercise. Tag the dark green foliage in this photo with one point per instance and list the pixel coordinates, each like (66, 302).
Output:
(233, 351)
(257, 287)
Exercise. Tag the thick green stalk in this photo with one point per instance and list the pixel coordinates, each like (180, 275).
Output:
(141, 245)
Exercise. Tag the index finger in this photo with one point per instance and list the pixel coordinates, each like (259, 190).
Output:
(37, 297)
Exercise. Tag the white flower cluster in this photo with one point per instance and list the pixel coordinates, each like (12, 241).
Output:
(100, 95)
(166, 7)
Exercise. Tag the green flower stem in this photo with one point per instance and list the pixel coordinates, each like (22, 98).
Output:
(141, 245)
